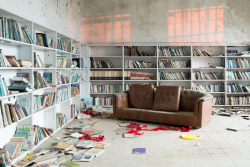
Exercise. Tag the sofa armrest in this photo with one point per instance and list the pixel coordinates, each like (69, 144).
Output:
(120, 100)
(205, 98)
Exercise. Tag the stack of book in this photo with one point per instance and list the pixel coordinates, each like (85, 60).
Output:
(38, 62)
(103, 101)
(11, 29)
(138, 75)
(62, 94)
(4, 91)
(75, 77)
(208, 88)
(137, 64)
(60, 120)
(107, 88)
(238, 100)
(75, 90)
(238, 75)
(62, 45)
(101, 63)
(15, 146)
(62, 79)
(232, 51)
(238, 63)
(169, 51)
(61, 61)
(11, 113)
(207, 76)
(135, 51)
(42, 101)
(106, 75)
(174, 75)
(218, 100)
(39, 81)
(165, 63)
(237, 88)
(20, 84)
(198, 52)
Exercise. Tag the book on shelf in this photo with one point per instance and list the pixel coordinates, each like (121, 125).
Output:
(75, 90)
(42, 101)
(3, 60)
(75, 77)
(137, 64)
(39, 81)
(105, 88)
(62, 94)
(13, 61)
(238, 63)
(27, 36)
(101, 63)
(4, 91)
(61, 61)
(63, 45)
(198, 52)
(238, 100)
(138, 75)
(76, 62)
(48, 77)
(60, 120)
(171, 51)
(74, 111)
(165, 63)
(106, 75)
(238, 75)
(103, 101)
(62, 79)
(24, 63)
(232, 51)
(40, 133)
(75, 50)
(218, 100)
(208, 88)
(237, 88)
(136, 51)
(198, 75)
(38, 62)
(174, 75)
(42, 40)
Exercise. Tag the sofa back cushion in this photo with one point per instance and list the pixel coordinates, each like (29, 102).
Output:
(167, 98)
(141, 96)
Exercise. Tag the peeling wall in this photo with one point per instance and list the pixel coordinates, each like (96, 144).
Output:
(61, 15)
(185, 21)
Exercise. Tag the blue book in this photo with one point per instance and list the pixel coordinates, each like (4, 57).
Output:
(48, 76)
(139, 151)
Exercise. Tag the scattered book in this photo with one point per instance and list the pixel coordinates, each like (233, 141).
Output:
(26, 160)
(139, 151)
(129, 135)
(100, 145)
(89, 132)
(86, 158)
(84, 144)
(64, 146)
(70, 164)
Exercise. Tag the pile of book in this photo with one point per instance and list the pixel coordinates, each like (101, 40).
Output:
(62, 45)
(11, 29)
(174, 75)
(39, 81)
(136, 51)
(137, 75)
(238, 100)
(62, 94)
(170, 51)
(75, 90)
(38, 62)
(19, 84)
(218, 100)
(11, 61)
(245, 53)
(62, 79)
(238, 63)
(42, 40)
(4, 91)
(75, 77)
(232, 51)
(198, 52)
(207, 76)
(60, 120)
(42, 101)
(11, 113)
(103, 101)
(101, 63)
(208, 88)
(237, 88)
(137, 64)
(106, 75)
(61, 61)
(165, 63)
(107, 88)
(238, 75)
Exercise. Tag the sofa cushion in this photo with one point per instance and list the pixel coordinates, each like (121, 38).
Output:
(167, 98)
(141, 96)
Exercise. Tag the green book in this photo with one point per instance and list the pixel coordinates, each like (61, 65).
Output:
(71, 164)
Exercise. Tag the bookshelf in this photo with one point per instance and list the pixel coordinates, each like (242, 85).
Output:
(59, 60)
(189, 66)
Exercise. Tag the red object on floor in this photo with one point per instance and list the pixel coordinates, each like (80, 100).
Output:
(92, 113)
(100, 138)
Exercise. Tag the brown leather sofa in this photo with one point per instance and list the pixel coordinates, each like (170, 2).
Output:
(166, 104)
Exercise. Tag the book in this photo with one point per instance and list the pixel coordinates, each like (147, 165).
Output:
(94, 152)
(63, 146)
(84, 144)
(25, 63)
(48, 76)
(70, 164)
(128, 135)
(11, 148)
(139, 151)
(12, 60)
(26, 160)
(89, 132)
(86, 158)
(100, 145)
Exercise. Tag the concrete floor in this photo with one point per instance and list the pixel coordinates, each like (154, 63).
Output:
(218, 147)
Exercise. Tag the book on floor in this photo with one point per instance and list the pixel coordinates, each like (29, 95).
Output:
(26, 160)
(86, 158)
(89, 132)
(70, 164)
(94, 151)
(84, 144)
(100, 145)
(139, 151)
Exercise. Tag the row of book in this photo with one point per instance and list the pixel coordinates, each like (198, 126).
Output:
(238, 75)
(165, 63)
(42, 101)
(74, 112)
(174, 75)
(39, 81)
(238, 100)
(136, 51)
(3, 87)
(60, 120)
(237, 88)
(62, 94)
(75, 50)
(218, 100)
(62, 79)
(62, 45)
(11, 29)
(105, 88)
(232, 51)
(170, 51)
(75, 90)
(208, 88)
(61, 61)
(38, 62)
(43, 40)
(198, 52)
(137, 75)
(103, 101)
(198, 75)
(11, 113)
(100, 63)
(238, 63)
(137, 64)
(11, 61)
(76, 77)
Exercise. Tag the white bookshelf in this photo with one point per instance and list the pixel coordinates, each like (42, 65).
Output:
(198, 64)
(46, 117)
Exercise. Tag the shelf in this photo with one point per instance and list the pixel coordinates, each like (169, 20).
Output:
(136, 57)
(209, 56)
(105, 68)
(237, 80)
(49, 87)
(238, 56)
(44, 109)
(175, 80)
(140, 80)
(16, 68)
(102, 93)
(207, 80)
(106, 80)
(12, 95)
(208, 68)
(174, 68)
(239, 93)
(75, 54)
(14, 42)
(106, 56)
(140, 68)
(43, 48)
(174, 56)
(62, 51)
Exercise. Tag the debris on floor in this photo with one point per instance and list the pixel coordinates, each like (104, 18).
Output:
(188, 136)
(235, 129)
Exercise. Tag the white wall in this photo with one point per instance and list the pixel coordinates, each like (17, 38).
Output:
(114, 21)
(60, 15)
